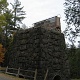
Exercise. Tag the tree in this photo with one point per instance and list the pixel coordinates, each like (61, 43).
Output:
(3, 5)
(9, 21)
(2, 51)
(72, 61)
(71, 36)
(18, 13)
(72, 14)
(6, 27)
(77, 62)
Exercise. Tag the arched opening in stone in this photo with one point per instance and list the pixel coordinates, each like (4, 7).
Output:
(57, 77)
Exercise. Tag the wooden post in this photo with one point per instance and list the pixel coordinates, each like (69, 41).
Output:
(46, 75)
(6, 69)
(18, 72)
(35, 74)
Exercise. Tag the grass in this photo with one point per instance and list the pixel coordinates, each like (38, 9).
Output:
(11, 77)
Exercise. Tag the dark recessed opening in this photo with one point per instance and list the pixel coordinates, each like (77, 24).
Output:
(57, 77)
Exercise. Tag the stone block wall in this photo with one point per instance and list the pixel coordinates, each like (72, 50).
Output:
(42, 49)
(50, 23)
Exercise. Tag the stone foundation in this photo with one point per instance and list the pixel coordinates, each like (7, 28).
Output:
(42, 49)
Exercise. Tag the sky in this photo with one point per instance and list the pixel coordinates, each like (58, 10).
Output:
(38, 10)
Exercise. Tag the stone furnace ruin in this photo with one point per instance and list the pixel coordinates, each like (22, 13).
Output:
(43, 48)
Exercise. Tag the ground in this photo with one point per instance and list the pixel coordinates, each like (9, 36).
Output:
(9, 77)
(4, 76)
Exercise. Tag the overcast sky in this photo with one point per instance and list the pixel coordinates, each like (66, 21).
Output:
(37, 10)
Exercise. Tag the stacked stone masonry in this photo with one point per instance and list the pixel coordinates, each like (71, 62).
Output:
(42, 49)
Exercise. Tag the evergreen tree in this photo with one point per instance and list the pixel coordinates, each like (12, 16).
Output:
(18, 13)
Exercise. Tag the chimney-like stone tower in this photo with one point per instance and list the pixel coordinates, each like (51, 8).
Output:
(50, 24)
(43, 48)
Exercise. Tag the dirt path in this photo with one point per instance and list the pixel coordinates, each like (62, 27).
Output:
(8, 77)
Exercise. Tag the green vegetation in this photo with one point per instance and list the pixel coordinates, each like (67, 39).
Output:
(74, 61)
(72, 33)
(72, 15)
(10, 20)
(18, 13)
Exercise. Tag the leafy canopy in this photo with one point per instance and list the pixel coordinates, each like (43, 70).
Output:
(72, 15)
(72, 12)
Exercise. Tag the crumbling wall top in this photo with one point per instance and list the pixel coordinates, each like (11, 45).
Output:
(50, 23)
